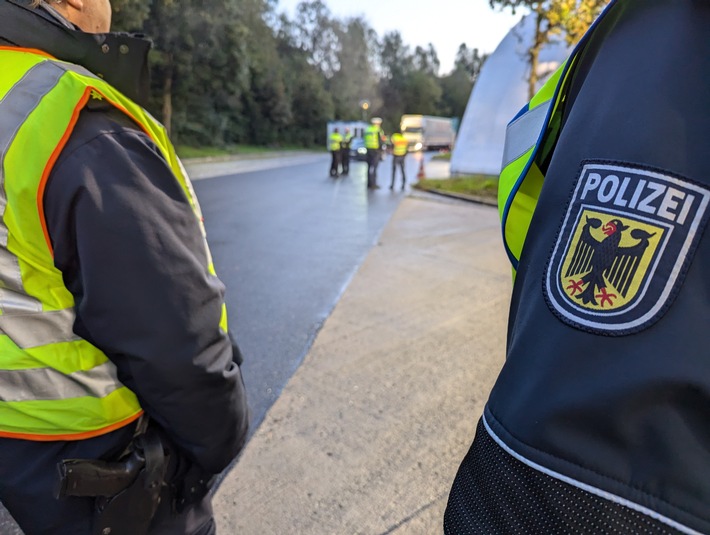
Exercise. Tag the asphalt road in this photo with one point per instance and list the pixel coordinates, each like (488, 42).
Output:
(286, 240)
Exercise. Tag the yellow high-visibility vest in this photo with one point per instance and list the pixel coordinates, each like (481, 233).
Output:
(520, 180)
(373, 137)
(335, 140)
(530, 137)
(399, 144)
(53, 384)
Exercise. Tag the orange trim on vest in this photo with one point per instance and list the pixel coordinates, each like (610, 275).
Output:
(27, 50)
(53, 159)
(65, 137)
(129, 114)
(73, 436)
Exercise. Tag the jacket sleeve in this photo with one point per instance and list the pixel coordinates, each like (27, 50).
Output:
(132, 254)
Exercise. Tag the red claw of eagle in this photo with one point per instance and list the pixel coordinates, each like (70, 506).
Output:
(604, 297)
(575, 286)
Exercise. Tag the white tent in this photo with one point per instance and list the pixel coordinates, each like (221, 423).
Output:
(500, 92)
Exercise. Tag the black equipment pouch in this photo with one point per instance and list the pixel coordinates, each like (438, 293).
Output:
(127, 492)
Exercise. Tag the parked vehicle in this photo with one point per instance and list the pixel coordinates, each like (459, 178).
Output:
(358, 150)
(425, 132)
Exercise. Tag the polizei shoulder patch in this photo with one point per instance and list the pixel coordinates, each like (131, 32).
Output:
(627, 239)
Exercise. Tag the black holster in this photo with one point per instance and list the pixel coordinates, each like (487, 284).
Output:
(127, 492)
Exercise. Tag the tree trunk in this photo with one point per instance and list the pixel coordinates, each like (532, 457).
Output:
(534, 54)
(168, 96)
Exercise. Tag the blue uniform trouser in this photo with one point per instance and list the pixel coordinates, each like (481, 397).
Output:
(335, 162)
(398, 161)
(373, 158)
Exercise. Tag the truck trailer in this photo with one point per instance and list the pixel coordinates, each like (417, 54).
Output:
(425, 132)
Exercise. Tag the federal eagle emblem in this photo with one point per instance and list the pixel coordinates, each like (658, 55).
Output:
(623, 248)
(601, 272)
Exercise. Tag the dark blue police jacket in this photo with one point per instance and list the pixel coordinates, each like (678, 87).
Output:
(606, 385)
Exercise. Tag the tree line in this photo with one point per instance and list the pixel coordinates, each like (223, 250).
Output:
(227, 72)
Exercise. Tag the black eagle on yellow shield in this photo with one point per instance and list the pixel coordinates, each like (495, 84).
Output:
(605, 262)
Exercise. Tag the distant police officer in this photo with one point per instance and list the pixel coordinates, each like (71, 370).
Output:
(374, 138)
(399, 152)
(334, 141)
(598, 421)
(345, 151)
(120, 390)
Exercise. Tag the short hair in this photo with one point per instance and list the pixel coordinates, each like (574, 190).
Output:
(35, 3)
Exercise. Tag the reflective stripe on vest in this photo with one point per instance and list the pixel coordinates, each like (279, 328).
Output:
(534, 128)
(520, 180)
(371, 136)
(53, 385)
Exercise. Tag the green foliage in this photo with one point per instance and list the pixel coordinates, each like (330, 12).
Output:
(129, 15)
(567, 18)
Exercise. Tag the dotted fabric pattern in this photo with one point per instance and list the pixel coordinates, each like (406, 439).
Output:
(494, 493)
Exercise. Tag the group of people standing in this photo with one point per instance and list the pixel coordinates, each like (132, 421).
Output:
(339, 146)
(374, 139)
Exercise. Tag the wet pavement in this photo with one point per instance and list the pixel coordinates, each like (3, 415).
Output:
(286, 240)
(369, 432)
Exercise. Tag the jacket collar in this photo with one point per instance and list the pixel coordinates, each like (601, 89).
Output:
(119, 58)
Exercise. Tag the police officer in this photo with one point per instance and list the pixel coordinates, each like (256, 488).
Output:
(598, 421)
(374, 138)
(112, 315)
(345, 151)
(399, 152)
(334, 141)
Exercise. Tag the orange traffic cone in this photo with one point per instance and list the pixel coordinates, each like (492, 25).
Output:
(421, 174)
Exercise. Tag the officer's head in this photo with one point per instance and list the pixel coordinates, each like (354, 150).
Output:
(91, 16)
(376, 121)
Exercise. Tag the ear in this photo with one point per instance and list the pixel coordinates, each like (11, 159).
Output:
(76, 4)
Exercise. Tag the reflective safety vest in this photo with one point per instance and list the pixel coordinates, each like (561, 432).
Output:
(530, 138)
(53, 384)
(335, 140)
(399, 144)
(373, 137)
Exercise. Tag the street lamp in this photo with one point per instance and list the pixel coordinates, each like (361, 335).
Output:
(364, 106)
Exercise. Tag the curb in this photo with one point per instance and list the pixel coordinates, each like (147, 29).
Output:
(461, 196)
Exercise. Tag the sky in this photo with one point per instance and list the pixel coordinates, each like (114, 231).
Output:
(444, 23)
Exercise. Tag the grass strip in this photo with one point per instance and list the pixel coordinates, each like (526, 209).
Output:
(476, 185)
